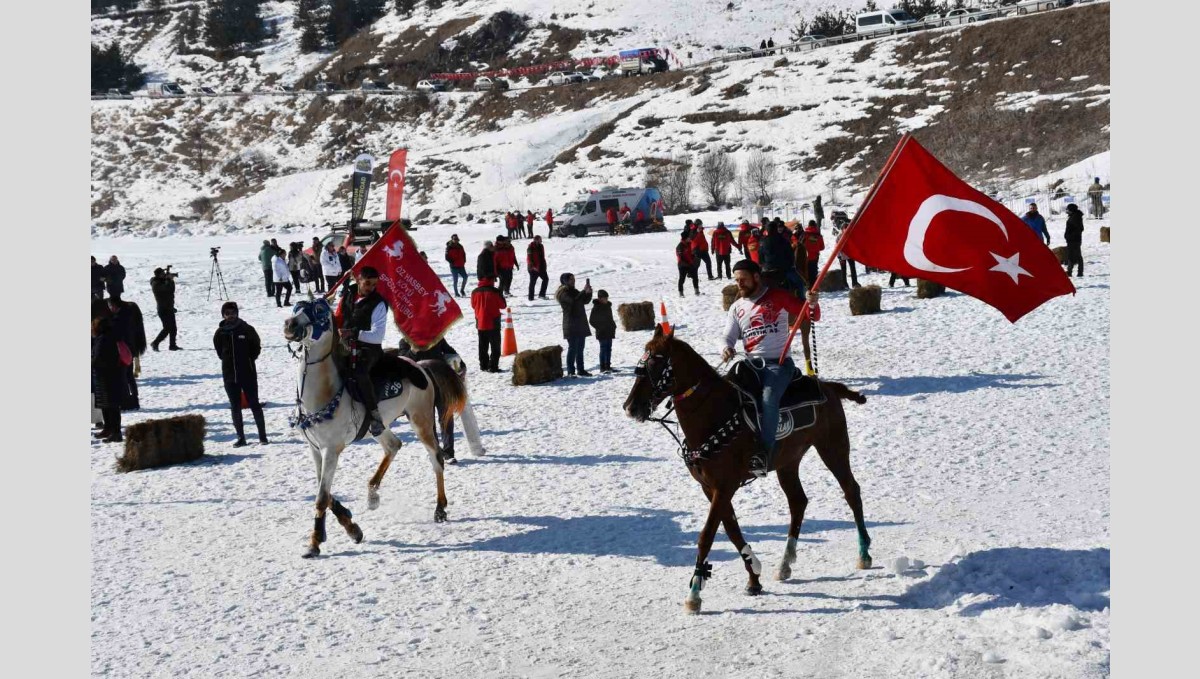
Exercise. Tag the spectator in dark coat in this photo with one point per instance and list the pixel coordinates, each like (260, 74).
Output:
(1074, 237)
(108, 377)
(485, 263)
(535, 263)
(818, 211)
(265, 254)
(238, 346)
(114, 277)
(575, 321)
(163, 287)
(129, 328)
(442, 351)
(602, 320)
(1034, 220)
(97, 279)
(345, 259)
(487, 302)
(319, 280)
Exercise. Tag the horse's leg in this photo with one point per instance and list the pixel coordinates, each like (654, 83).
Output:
(789, 481)
(391, 445)
(422, 423)
(718, 507)
(835, 453)
(734, 532)
(345, 518)
(318, 532)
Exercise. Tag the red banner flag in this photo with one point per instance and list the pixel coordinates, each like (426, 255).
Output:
(920, 220)
(395, 184)
(422, 308)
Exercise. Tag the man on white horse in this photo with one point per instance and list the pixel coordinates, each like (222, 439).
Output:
(365, 326)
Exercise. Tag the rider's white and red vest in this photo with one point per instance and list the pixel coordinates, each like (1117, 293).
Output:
(760, 322)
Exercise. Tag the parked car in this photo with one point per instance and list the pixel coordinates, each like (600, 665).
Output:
(281, 89)
(325, 87)
(206, 92)
(164, 90)
(115, 93)
(374, 86)
(587, 76)
(484, 83)
(742, 52)
(1041, 5)
(812, 37)
(562, 78)
(887, 21)
(931, 20)
(432, 85)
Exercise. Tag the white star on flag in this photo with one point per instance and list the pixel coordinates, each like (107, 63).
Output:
(1010, 266)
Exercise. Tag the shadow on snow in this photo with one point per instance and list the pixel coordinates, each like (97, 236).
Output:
(944, 384)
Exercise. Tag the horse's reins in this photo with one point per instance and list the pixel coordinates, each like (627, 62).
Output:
(659, 388)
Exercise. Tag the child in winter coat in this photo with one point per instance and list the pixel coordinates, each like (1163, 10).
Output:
(601, 319)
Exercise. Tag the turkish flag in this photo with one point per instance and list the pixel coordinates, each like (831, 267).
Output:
(422, 308)
(921, 221)
(395, 184)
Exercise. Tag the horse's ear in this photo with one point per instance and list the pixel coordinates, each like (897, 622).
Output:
(658, 332)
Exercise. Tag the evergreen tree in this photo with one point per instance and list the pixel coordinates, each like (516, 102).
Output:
(339, 25)
(404, 7)
(111, 70)
(309, 21)
(234, 22)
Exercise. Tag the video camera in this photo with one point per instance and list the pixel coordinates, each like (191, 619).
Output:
(167, 271)
(212, 252)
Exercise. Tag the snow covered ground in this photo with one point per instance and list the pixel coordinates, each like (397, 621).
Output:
(982, 451)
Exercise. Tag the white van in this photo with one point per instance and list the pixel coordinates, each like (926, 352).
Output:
(166, 89)
(884, 21)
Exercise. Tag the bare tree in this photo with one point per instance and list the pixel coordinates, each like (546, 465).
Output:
(716, 172)
(199, 148)
(758, 181)
(673, 179)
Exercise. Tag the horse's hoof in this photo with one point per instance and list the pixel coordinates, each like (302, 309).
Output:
(451, 460)
(356, 533)
(372, 501)
(312, 551)
(783, 573)
(439, 515)
(754, 590)
(864, 562)
(691, 606)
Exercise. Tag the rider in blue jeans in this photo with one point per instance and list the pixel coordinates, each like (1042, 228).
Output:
(757, 318)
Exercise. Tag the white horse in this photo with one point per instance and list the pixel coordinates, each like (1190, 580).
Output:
(330, 419)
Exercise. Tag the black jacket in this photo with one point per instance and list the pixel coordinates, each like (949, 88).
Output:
(238, 346)
(485, 264)
(601, 319)
(164, 292)
(818, 209)
(358, 311)
(97, 277)
(108, 375)
(114, 278)
(775, 253)
(1074, 232)
(574, 306)
(129, 327)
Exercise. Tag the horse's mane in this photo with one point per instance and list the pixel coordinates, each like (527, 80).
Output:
(685, 356)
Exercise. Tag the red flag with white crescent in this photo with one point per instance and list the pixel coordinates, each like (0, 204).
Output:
(421, 306)
(395, 184)
(922, 221)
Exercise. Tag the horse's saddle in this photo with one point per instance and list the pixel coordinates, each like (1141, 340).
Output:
(388, 376)
(797, 408)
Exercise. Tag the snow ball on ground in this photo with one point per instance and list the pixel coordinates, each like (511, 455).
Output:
(1068, 623)
(992, 657)
(898, 565)
(917, 565)
(1041, 633)
(889, 635)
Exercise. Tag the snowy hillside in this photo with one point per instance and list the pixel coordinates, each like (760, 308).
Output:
(982, 452)
(1001, 102)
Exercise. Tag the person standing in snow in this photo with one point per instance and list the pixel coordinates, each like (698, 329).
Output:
(506, 261)
(163, 288)
(575, 321)
(485, 263)
(1074, 238)
(611, 215)
(487, 302)
(129, 328)
(818, 212)
(602, 320)
(535, 263)
(456, 256)
(722, 247)
(1096, 195)
(238, 346)
(294, 259)
(265, 254)
(813, 244)
(114, 277)
(529, 222)
(550, 222)
(700, 247)
(685, 261)
(331, 266)
(1034, 220)
(316, 266)
(97, 279)
(282, 280)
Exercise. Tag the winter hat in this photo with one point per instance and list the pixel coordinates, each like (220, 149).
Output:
(229, 306)
(747, 265)
(1097, 180)
(603, 294)
(1072, 207)
(685, 234)
(159, 272)
(564, 278)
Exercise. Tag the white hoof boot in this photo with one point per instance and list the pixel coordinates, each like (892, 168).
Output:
(691, 602)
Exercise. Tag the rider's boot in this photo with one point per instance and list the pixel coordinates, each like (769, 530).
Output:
(760, 462)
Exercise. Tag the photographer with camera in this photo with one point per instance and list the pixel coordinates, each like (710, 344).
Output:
(163, 287)
(265, 254)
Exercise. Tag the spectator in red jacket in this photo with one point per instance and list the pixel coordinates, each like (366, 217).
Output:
(457, 257)
(611, 215)
(535, 263)
(550, 222)
(487, 302)
(685, 259)
(506, 261)
(722, 247)
(700, 247)
(813, 244)
(529, 222)
(751, 245)
(743, 235)
(639, 221)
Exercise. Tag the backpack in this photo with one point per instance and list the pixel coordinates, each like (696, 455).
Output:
(124, 354)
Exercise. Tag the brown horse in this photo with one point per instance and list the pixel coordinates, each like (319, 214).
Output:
(707, 406)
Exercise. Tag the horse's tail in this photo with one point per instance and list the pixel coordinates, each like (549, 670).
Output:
(843, 392)
(450, 390)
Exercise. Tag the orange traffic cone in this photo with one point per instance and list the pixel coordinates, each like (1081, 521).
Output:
(508, 343)
(666, 325)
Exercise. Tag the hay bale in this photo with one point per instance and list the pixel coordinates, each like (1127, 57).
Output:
(537, 366)
(929, 289)
(1061, 253)
(1104, 234)
(834, 281)
(865, 300)
(729, 295)
(161, 443)
(636, 316)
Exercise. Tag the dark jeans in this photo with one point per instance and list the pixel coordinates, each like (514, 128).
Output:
(368, 356)
(702, 256)
(167, 316)
(1074, 257)
(112, 420)
(269, 276)
(575, 354)
(319, 281)
(723, 260)
(812, 273)
(505, 281)
(533, 277)
(489, 348)
(459, 272)
(605, 352)
(684, 273)
(331, 281)
(234, 391)
(853, 280)
(283, 287)
(296, 280)
(131, 403)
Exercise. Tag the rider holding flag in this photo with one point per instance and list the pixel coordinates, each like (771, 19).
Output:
(366, 314)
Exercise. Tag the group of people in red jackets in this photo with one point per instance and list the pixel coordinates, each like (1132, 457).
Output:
(771, 237)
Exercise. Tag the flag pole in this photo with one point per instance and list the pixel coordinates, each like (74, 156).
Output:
(837, 246)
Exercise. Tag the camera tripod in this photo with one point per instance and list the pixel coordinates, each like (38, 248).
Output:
(215, 270)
